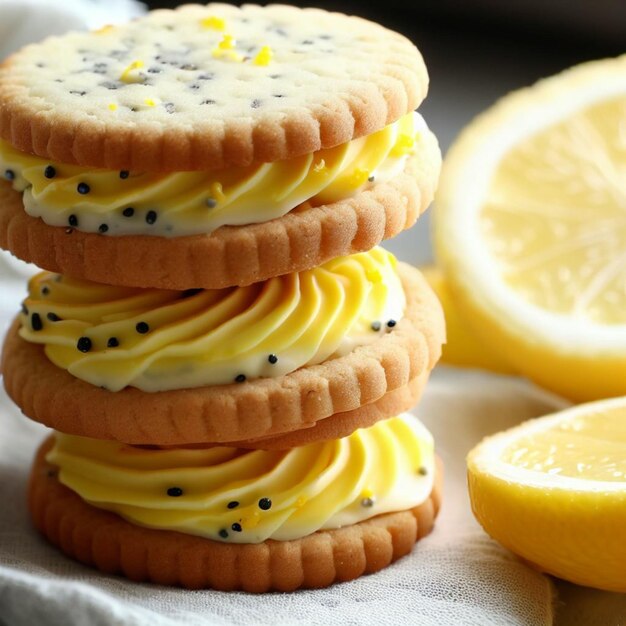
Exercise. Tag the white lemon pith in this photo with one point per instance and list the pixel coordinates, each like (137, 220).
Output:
(530, 228)
(553, 490)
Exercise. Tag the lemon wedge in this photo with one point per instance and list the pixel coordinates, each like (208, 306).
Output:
(462, 347)
(553, 490)
(530, 229)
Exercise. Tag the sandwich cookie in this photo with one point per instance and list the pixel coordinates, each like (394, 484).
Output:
(229, 518)
(220, 366)
(167, 153)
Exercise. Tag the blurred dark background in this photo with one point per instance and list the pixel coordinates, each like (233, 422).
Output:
(478, 50)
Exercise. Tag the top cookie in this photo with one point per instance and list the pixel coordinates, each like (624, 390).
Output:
(208, 87)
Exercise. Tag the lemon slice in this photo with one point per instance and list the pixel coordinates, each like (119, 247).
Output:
(462, 347)
(553, 490)
(530, 228)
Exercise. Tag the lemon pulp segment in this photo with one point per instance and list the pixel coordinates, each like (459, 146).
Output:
(590, 447)
(554, 218)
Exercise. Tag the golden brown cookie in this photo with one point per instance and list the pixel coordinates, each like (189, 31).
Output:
(228, 413)
(231, 255)
(342, 424)
(207, 88)
(106, 541)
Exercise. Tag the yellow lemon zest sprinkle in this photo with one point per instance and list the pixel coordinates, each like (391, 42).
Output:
(226, 49)
(359, 176)
(126, 77)
(213, 22)
(403, 145)
(228, 43)
(252, 521)
(264, 56)
(374, 275)
(320, 167)
(367, 493)
(217, 191)
(112, 106)
(150, 102)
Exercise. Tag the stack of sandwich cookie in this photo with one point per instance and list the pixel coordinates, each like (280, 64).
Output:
(224, 352)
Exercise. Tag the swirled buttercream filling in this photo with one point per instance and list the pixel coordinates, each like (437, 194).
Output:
(248, 496)
(156, 339)
(171, 204)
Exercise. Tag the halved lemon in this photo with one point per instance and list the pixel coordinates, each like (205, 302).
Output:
(553, 490)
(462, 347)
(530, 229)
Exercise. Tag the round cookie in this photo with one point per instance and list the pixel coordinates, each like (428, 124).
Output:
(208, 88)
(232, 255)
(337, 425)
(265, 407)
(106, 541)
(343, 424)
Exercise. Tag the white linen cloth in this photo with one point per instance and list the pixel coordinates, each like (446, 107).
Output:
(25, 21)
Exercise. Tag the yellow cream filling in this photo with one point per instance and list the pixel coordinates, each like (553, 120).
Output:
(248, 496)
(156, 339)
(174, 204)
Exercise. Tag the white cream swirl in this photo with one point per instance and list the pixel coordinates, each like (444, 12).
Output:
(248, 496)
(172, 204)
(156, 339)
